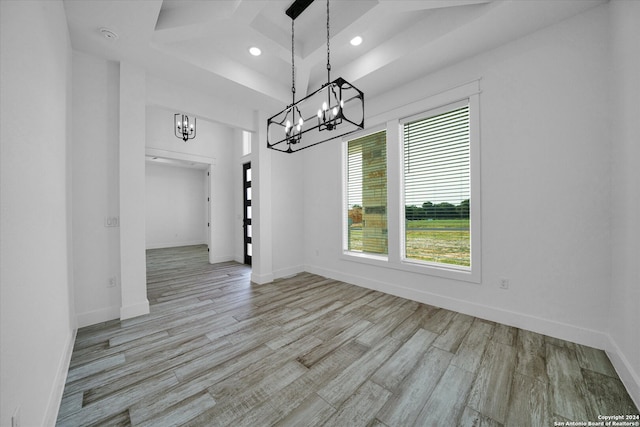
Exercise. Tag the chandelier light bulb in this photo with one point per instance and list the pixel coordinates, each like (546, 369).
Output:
(300, 122)
(324, 106)
(335, 111)
(319, 114)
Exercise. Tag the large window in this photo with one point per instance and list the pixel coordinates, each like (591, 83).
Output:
(412, 191)
(367, 194)
(437, 187)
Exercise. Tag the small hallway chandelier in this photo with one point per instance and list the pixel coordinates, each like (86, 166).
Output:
(185, 127)
(336, 104)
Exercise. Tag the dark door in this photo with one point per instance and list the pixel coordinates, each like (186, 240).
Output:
(246, 197)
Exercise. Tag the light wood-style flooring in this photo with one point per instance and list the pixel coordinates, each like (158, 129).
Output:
(217, 350)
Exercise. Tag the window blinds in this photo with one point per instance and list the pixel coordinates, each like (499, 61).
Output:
(437, 187)
(436, 159)
(367, 194)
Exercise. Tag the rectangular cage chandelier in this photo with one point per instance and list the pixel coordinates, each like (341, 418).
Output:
(185, 127)
(334, 110)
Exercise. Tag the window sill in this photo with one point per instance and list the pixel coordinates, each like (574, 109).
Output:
(460, 274)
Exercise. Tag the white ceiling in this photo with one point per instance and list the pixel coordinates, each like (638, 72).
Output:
(204, 44)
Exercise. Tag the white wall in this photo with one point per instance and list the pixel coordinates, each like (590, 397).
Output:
(288, 214)
(176, 206)
(160, 134)
(262, 190)
(184, 99)
(278, 210)
(544, 182)
(133, 268)
(36, 308)
(624, 316)
(96, 248)
(97, 172)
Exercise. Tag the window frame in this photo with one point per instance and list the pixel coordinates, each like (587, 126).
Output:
(393, 121)
(417, 117)
(345, 193)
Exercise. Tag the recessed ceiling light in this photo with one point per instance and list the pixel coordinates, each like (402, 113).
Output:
(356, 41)
(255, 51)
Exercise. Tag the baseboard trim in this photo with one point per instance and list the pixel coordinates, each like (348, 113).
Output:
(97, 316)
(551, 328)
(221, 258)
(175, 244)
(627, 373)
(288, 272)
(55, 398)
(134, 310)
(262, 279)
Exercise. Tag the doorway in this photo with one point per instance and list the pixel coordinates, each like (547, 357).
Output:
(246, 197)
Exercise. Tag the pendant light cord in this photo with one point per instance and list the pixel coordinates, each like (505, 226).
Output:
(328, 51)
(293, 66)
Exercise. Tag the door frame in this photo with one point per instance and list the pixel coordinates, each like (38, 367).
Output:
(192, 158)
(246, 220)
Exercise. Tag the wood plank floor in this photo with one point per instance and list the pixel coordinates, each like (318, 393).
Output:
(217, 350)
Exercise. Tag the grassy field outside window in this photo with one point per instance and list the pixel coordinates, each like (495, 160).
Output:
(444, 241)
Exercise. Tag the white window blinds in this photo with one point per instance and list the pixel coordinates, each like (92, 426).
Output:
(437, 158)
(437, 186)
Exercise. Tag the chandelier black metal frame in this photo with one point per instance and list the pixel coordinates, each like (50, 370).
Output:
(185, 128)
(336, 103)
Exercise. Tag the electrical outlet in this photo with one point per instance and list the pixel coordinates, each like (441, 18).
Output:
(15, 418)
(504, 283)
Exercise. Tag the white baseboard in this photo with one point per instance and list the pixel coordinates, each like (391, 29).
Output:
(551, 328)
(55, 398)
(288, 272)
(134, 310)
(175, 244)
(627, 373)
(97, 316)
(220, 258)
(261, 279)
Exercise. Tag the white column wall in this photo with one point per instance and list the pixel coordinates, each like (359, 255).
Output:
(262, 192)
(96, 248)
(132, 194)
